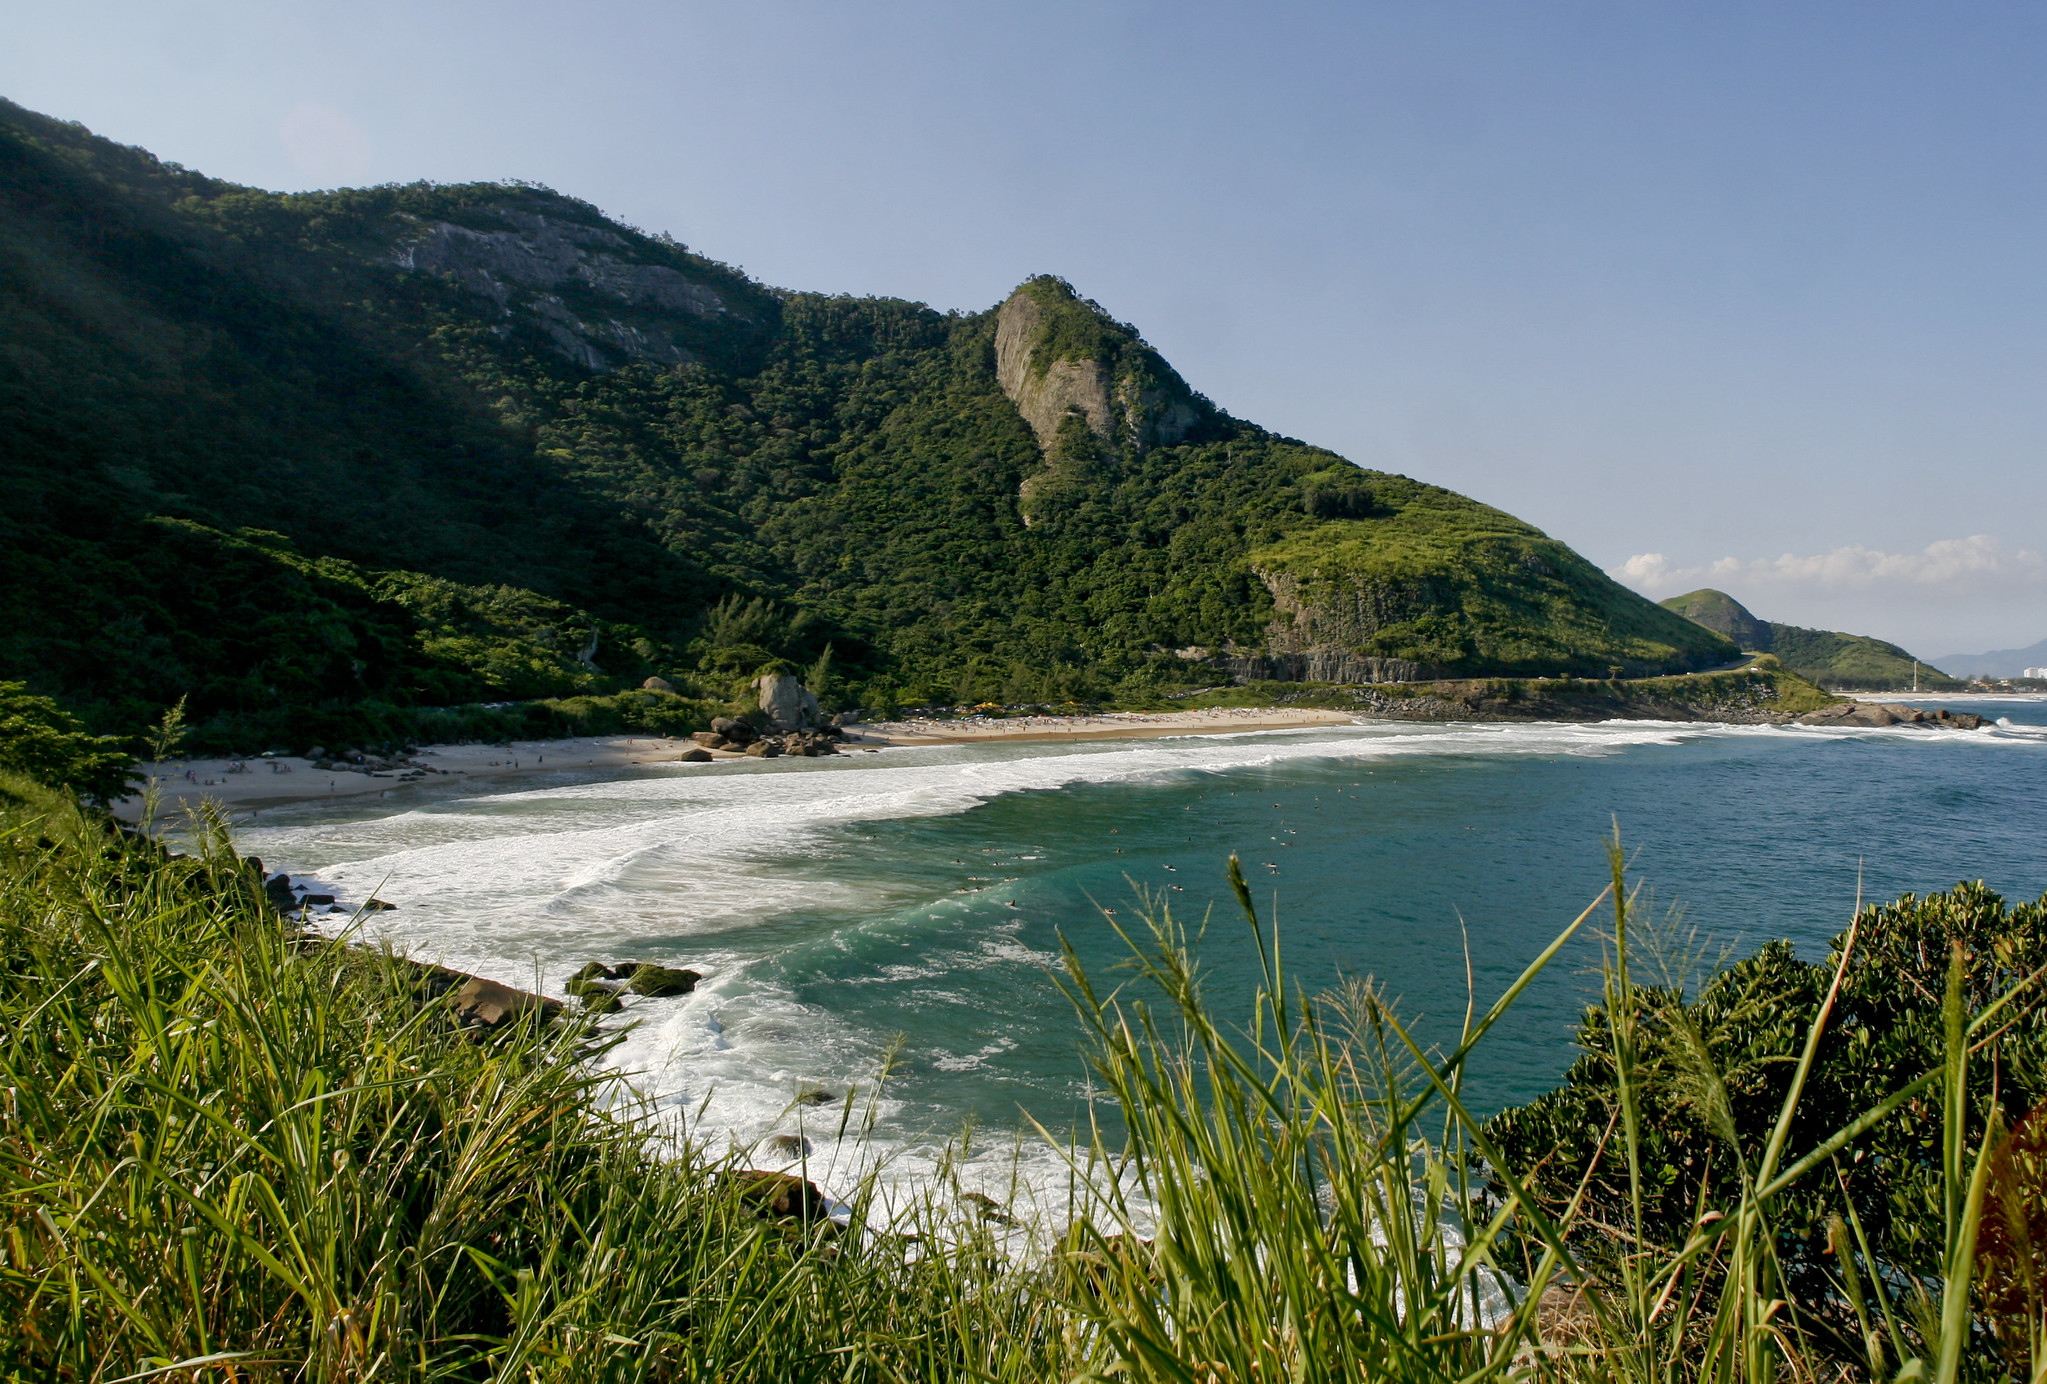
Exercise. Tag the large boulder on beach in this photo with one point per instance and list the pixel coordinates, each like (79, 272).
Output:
(694, 756)
(786, 702)
(709, 739)
(764, 749)
(737, 732)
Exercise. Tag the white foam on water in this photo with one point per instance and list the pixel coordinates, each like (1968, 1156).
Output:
(703, 866)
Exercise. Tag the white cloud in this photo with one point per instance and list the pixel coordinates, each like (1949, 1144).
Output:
(1951, 566)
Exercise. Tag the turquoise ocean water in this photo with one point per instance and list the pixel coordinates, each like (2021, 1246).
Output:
(918, 895)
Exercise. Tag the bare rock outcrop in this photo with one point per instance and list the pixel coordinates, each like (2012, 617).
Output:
(787, 703)
(1342, 612)
(1318, 626)
(538, 263)
(1852, 713)
(1044, 396)
(1104, 373)
(1326, 665)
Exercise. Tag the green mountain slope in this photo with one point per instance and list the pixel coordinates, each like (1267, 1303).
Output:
(1847, 662)
(1721, 613)
(289, 454)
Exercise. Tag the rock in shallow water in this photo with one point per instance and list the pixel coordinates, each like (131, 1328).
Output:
(481, 1003)
(662, 980)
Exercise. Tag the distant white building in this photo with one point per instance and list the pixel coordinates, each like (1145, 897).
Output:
(2036, 673)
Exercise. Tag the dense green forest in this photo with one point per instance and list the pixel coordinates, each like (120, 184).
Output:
(302, 458)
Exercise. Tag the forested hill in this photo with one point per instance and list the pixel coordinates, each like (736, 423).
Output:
(288, 455)
(1844, 662)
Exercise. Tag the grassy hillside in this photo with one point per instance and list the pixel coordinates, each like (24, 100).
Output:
(1845, 662)
(1721, 613)
(1432, 577)
(292, 455)
(232, 1151)
(1853, 661)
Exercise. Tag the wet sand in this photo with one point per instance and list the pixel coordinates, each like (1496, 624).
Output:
(272, 782)
(1108, 725)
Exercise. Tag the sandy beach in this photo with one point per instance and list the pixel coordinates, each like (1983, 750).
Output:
(1107, 725)
(275, 781)
(269, 782)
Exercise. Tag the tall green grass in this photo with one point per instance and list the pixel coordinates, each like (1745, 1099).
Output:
(229, 1153)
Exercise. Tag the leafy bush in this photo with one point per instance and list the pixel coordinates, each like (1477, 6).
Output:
(43, 742)
(1711, 1073)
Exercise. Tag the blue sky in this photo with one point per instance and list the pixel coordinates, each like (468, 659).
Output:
(1744, 294)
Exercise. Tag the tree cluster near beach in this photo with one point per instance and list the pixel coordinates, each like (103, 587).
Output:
(296, 458)
(41, 741)
(232, 1150)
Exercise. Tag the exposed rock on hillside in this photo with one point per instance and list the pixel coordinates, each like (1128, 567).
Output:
(1346, 608)
(549, 256)
(1328, 665)
(1429, 581)
(1057, 355)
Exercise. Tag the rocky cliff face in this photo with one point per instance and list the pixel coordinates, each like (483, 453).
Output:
(1342, 613)
(1326, 665)
(1057, 356)
(576, 284)
(1314, 633)
(1044, 396)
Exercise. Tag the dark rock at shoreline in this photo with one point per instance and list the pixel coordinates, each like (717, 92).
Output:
(789, 1145)
(378, 906)
(737, 732)
(988, 1208)
(696, 756)
(764, 749)
(480, 1003)
(598, 997)
(1890, 714)
(662, 980)
(780, 1196)
(709, 739)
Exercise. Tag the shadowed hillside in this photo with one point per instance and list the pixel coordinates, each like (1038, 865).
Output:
(290, 455)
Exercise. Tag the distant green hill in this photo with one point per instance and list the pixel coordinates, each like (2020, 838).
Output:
(1841, 662)
(1721, 613)
(293, 455)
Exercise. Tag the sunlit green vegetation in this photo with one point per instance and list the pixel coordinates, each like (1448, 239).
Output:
(231, 1152)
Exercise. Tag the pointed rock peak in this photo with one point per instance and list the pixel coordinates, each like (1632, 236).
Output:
(1059, 355)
